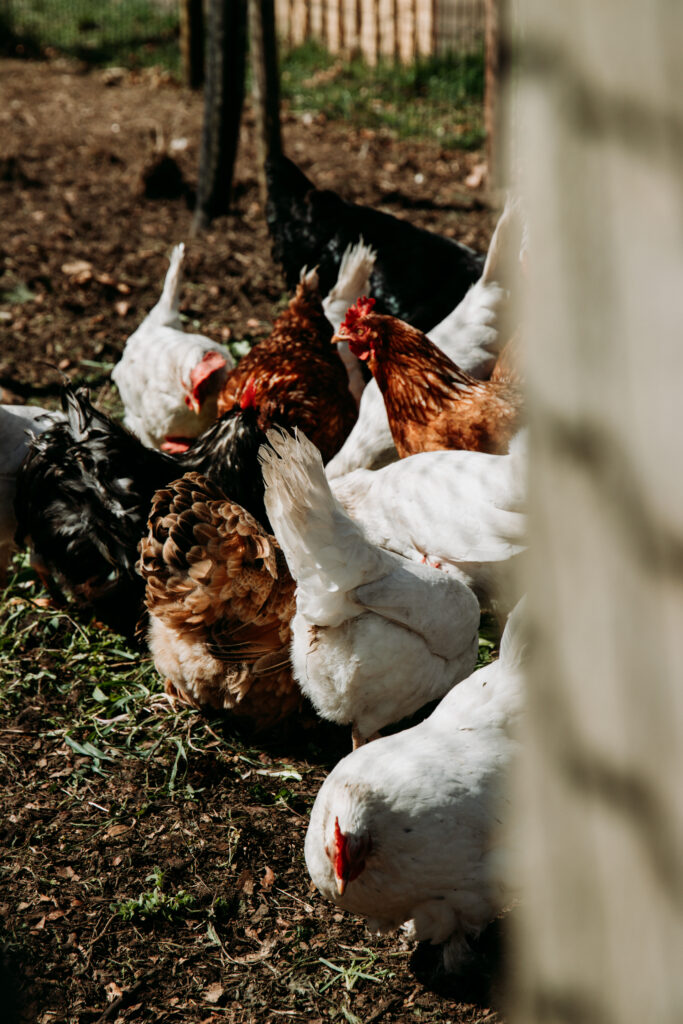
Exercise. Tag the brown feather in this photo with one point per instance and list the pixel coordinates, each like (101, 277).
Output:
(220, 600)
(431, 403)
(296, 377)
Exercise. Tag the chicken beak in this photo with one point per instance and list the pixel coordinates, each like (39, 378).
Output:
(341, 885)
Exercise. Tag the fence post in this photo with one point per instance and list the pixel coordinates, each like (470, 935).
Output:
(192, 42)
(223, 100)
(265, 85)
(600, 90)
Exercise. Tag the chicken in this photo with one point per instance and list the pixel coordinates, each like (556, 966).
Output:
(375, 637)
(463, 511)
(419, 276)
(352, 282)
(85, 489)
(18, 423)
(169, 380)
(220, 600)
(471, 335)
(295, 376)
(431, 403)
(413, 829)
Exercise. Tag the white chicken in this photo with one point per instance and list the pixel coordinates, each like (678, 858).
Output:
(169, 380)
(353, 281)
(375, 636)
(412, 830)
(471, 335)
(18, 423)
(461, 511)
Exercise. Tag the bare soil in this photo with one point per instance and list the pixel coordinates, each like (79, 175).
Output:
(84, 250)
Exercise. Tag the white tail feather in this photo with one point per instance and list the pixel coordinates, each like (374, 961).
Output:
(506, 244)
(327, 553)
(353, 281)
(514, 642)
(166, 310)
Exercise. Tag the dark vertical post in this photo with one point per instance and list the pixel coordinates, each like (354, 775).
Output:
(192, 42)
(265, 85)
(223, 101)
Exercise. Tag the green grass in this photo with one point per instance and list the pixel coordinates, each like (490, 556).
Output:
(439, 98)
(155, 902)
(127, 33)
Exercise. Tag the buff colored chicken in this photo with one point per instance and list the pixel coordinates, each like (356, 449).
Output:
(220, 599)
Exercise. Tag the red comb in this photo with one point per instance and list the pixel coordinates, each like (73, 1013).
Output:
(359, 311)
(248, 397)
(341, 852)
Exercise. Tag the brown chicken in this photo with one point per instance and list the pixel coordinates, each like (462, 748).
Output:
(431, 403)
(295, 377)
(220, 599)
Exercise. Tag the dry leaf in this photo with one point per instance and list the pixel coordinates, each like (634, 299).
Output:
(122, 307)
(213, 993)
(113, 991)
(68, 872)
(268, 879)
(246, 881)
(116, 830)
(39, 927)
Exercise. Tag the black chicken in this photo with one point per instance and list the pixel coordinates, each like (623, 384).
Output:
(85, 489)
(419, 276)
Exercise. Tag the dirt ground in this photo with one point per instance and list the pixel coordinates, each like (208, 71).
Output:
(243, 936)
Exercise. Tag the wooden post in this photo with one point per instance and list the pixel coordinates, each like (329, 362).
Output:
(223, 101)
(265, 85)
(492, 74)
(600, 90)
(192, 42)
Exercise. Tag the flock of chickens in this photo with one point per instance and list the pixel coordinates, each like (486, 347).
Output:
(322, 521)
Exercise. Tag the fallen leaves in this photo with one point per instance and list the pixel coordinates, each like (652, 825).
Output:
(213, 993)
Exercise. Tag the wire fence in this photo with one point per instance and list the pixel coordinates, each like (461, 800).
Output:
(413, 67)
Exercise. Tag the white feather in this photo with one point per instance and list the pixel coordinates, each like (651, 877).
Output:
(431, 804)
(154, 371)
(374, 636)
(353, 281)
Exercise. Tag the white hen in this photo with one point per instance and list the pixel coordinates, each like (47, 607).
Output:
(169, 380)
(375, 637)
(472, 335)
(463, 511)
(18, 423)
(353, 281)
(411, 830)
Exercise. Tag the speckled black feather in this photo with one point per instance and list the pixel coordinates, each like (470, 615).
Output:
(86, 486)
(419, 276)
